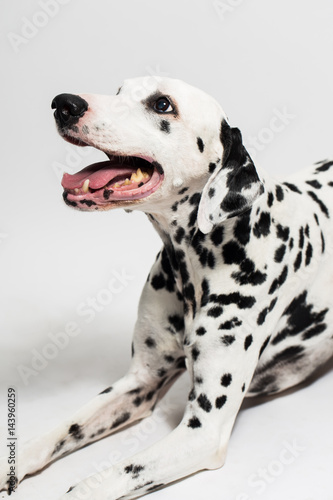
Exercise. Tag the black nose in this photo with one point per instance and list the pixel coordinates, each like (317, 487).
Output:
(68, 109)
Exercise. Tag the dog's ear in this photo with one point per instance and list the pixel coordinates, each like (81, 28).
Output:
(234, 187)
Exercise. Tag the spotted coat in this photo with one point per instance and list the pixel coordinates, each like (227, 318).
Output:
(239, 295)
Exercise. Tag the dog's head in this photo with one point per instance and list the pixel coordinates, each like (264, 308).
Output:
(160, 136)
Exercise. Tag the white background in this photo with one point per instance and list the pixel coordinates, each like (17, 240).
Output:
(257, 58)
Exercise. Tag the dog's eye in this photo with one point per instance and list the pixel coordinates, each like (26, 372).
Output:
(162, 105)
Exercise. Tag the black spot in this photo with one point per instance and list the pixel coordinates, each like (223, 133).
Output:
(248, 341)
(150, 395)
(137, 390)
(150, 342)
(308, 254)
(107, 193)
(228, 325)
(215, 312)
(183, 190)
(262, 227)
(75, 430)
(322, 242)
(242, 301)
(200, 144)
(165, 126)
(298, 261)
(270, 199)
(226, 379)
(134, 470)
(205, 292)
(195, 353)
(322, 205)
(161, 372)
(70, 489)
(195, 199)
(279, 253)
(325, 166)
(169, 359)
(233, 253)
(292, 187)
(158, 281)
(220, 402)
(316, 219)
(67, 201)
(278, 282)
(175, 206)
(193, 217)
(180, 233)
(189, 295)
(300, 317)
(201, 331)
(307, 231)
(291, 243)
(177, 322)
(194, 423)
(282, 232)
(301, 237)
(121, 420)
(228, 339)
(137, 401)
(183, 200)
(234, 203)
(212, 167)
(204, 403)
(315, 330)
(248, 275)
(192, 396)
(211, 193)
(89, 203)
(279, 193)
(315, 184)
(262, 315)
(243, 388)
(242, 228)
(108, 389)
(58, 447)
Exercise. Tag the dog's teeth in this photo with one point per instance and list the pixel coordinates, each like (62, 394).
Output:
(76, 190)
(117, 185)
(139, 175)
(127, 182)
(85, 187)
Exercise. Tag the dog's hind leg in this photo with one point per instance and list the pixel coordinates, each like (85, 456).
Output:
(158, 359)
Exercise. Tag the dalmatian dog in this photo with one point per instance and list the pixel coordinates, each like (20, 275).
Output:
(240, 294)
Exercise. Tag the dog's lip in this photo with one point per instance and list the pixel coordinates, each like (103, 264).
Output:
(103, 183)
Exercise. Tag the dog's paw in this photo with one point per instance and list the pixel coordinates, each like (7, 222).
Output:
(8, 478)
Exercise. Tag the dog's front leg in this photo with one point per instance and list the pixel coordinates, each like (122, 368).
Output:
(221, 364)
(158, 359)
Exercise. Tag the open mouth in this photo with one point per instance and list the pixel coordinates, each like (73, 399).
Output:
(121, 179)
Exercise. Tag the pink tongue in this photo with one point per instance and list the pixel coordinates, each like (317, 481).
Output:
(99, 174)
